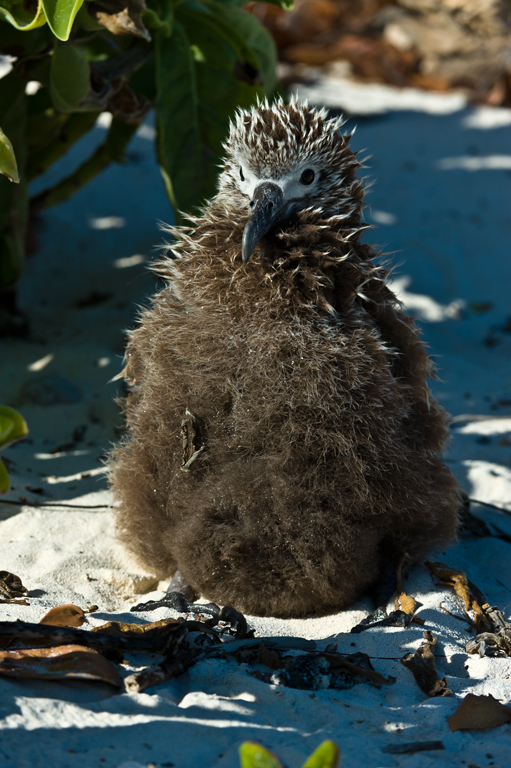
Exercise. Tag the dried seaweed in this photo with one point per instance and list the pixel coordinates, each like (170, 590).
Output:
(11, 588)
(182, 642)
(422, 666)
(23, 634)
(381, 619)
(159, 673)
(59, 663)
(471, 595)
(317, 670)
(497, 642)
(243, 650)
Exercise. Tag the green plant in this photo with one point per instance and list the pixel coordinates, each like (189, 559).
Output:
(194, 60)
(12, 427)
(253, 755)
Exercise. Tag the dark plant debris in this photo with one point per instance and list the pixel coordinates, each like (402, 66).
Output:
(421, 663)
(381, 619)
(11, 588)
(497, 642)
(288, 661)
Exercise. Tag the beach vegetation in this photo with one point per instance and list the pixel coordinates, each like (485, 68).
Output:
(253, 755)
(12, 427)
(194, 61)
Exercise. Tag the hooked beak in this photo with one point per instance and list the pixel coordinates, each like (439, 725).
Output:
(267, 205)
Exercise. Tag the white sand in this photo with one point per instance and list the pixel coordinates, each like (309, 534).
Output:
(441, 200)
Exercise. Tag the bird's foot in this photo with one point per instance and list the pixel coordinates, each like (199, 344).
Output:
(180, 585)
(180, 596)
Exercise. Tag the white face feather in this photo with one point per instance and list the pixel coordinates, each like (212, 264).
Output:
(289, 182)
(277, 143)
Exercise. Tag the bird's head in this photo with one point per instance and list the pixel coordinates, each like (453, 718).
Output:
(286, 158)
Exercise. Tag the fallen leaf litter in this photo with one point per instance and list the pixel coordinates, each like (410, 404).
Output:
(57, 649)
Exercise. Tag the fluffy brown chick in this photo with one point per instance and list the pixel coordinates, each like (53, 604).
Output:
(282, 441)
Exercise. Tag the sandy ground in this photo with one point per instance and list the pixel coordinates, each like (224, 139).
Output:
(440, 203)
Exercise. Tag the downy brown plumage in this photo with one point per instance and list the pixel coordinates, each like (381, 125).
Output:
(281, 358)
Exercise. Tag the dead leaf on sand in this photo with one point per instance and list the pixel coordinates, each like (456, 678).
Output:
(402, 601)
(422, 666)
(151, 630)
(469, 593)
(478, 713)
(64, 616)
(59, 663)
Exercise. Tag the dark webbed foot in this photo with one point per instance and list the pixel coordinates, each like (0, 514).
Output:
(180, 597)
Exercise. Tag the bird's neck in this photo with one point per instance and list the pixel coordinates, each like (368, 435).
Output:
(307, 265)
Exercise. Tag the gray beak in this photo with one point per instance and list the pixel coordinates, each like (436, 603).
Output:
(267, 205)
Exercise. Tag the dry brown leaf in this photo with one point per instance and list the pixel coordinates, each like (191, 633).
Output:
(457, 579)
(478, 713)
(122, 17)
(122, 628)
(58, 663)
(405, 603)
(64, 616)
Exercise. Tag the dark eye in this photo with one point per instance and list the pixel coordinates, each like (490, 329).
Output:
(307, 176)
(241, 174)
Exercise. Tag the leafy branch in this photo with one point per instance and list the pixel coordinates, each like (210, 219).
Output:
(195, 61)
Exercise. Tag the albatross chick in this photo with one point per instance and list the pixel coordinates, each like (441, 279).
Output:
(282, 442)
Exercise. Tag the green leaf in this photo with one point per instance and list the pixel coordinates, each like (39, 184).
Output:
(16, 14)
(60, 15)
(13, 197)
(200, 80)
(4, 478)
(12, 426)
(256, 39)
(327, 755)
(69, 77)
(7, 159)
(86, 22)
(253, 755)
(210, 28)
(176, 114)
(13, 39)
